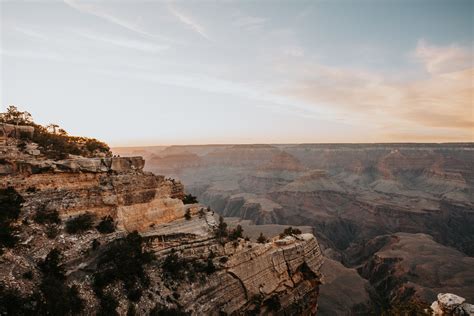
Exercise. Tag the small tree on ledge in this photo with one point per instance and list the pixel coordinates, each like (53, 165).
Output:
(189, 199)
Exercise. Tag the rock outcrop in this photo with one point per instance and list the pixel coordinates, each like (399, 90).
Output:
(449, 304)
(219, 275)
(351, 195)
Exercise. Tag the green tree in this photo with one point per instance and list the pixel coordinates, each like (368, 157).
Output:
(14, 116)
(262, 239)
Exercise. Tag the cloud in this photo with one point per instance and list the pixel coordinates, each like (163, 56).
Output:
(123, 42)
(100, 12)
(249, 22)
(444, 100)
(189, 22)
(442, 59)
(30, 33)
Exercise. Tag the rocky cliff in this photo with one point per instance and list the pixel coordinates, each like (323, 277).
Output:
(74, 235)
(350, 194)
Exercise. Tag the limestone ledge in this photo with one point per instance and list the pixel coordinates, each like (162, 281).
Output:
(136, 200)
(289, 268)
(80, 164)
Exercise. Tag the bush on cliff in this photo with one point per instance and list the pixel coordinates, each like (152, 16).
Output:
(54, 141)
(106, 225)
(236, 233)
(189, 199)
(12, 302)
(221, 231)
(123, 260)
(161, 310)
(273, 303)
(187, 215)
(10, 206)
(178, 268)
(80, 223)
(290, 231)
(44, 216)
(57, 297)
(262, 239)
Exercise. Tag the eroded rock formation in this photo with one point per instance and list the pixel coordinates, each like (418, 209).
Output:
(219, 275)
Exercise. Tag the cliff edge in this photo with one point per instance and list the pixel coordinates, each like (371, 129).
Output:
(101, 236)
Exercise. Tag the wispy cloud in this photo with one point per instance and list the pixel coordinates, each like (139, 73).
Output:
(249, 22)
(198, 28)
(30, 33)
(123, 42)
(102, 13)
(442, 101)
(442, 59)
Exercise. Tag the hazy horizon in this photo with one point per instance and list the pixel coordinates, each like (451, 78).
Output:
(143, 73)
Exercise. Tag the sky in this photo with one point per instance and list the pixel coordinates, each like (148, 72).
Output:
(135, 72)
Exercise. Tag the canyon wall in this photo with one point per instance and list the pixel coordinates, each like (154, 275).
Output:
(351, 194)
(218, 275)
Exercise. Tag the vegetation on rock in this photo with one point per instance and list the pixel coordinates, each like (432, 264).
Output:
(57, 297)
(80, 223)
(55, 142)
(45, 216)
(123, 260)
(236, 233)
(10, 206)
(262, 239)
(187, 214)
(290, 231)
(189, 199)
(106, 225)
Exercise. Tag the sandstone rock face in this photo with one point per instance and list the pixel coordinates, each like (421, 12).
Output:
(350, 194)
(28, 165)
(451, 304)
(245, 276)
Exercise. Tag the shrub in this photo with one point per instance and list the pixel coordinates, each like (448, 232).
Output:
(173, 265)
(54, 141)
(106, 225)
(210, 267)
(290, 231)
(52, 231)
(44, 216)
(50, 266)
(273, 303)
(14, 303)
(28, 275)
(79, 223)
(161, 310)
(108, 306)
(187, 215)
(53, 287)
(177, 268)
(10, 206)
(201, 213)
(262, 239)
(221, 231)
(236, 233)
(189, 199)
(123, 260)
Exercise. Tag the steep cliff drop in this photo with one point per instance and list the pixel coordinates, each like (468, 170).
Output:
(101, 236)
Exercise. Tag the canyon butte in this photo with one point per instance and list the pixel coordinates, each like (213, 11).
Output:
(86, 233)
(395, 221)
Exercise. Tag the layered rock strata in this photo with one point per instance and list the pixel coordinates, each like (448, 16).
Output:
(246, 276)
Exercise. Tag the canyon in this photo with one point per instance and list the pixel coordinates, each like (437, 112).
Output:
(395, 221)
(99, 235)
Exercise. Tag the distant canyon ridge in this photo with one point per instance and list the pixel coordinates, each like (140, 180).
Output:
(396, 221)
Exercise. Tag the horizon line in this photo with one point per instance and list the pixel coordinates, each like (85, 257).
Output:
(329, 143)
